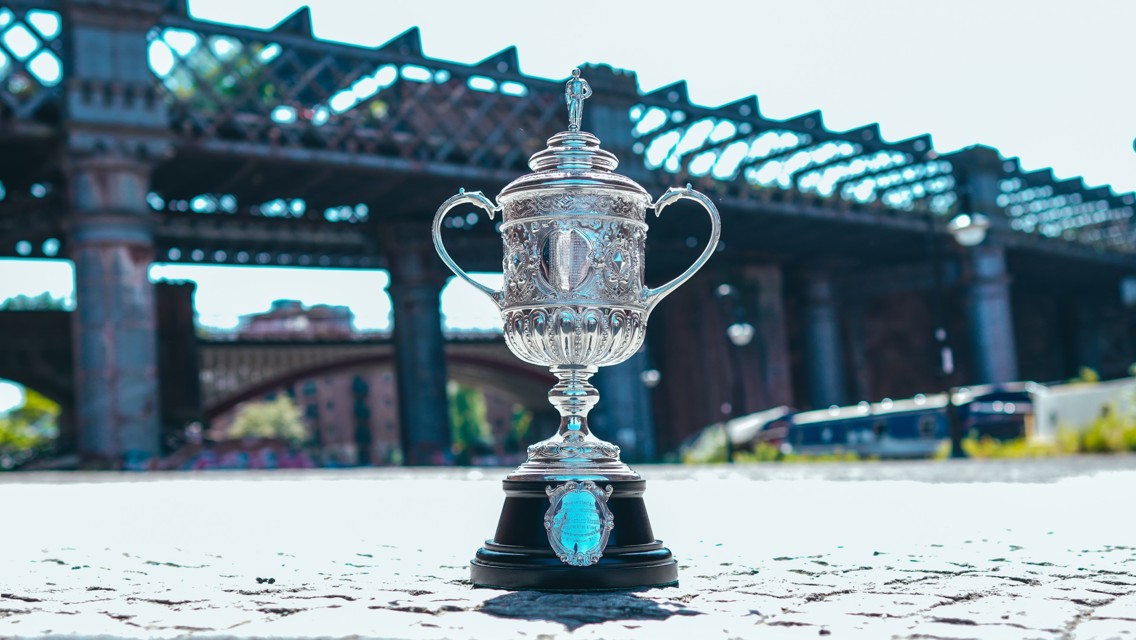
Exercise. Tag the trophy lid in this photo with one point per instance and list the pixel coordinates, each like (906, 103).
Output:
(573, 158)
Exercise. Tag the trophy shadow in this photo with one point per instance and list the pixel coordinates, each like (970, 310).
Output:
(575, 610)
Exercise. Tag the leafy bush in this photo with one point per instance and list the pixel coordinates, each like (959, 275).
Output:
(29, 430)
(711, 447)
(987, 447)
(19, 441)
(279, 418)
(763, 452)
(707, 448)
(1113, 432)
(839, 455)
(469, 422)
(42, 302)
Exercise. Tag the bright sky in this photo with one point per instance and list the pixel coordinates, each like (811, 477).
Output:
(224, 293)
(1046, 80)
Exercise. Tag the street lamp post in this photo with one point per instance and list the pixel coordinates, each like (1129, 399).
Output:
(946, 361)
(740, 333)
(651, 378)
(968, 230)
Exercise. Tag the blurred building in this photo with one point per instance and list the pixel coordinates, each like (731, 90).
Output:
(352, 414)
(290, 320)
(353, 419)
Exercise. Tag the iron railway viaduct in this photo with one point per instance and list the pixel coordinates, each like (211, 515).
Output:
(132, 134)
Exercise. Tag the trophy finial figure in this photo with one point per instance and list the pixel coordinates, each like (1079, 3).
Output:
(576, 91)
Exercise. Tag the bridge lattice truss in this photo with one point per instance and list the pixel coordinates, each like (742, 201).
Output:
(337, 114)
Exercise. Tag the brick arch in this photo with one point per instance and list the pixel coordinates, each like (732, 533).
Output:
(56, 386)
(515, 378)
(35, 351)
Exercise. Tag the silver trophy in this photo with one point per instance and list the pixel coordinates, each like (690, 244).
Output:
(574, 300)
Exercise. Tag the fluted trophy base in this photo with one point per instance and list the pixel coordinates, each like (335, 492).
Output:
(521, 555)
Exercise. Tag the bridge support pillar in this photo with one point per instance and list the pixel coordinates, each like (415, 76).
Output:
(624, 414)
(420, 359)
(114, 324)
(771, 339)
(989, 315)
(824, 352)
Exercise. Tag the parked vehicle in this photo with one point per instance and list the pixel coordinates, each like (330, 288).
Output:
(998, 411)
(911, 428)
(918, 427)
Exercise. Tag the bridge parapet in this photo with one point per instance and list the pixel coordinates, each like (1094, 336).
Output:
(735, 151)
(239, 90)
(235, 371)
(31, 64)
(339, 124)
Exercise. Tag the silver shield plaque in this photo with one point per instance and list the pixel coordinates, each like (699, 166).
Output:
(578, 522)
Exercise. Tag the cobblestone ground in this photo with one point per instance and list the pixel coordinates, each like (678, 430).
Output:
(1030, 549)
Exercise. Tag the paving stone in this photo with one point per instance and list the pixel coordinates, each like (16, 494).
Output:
(1123, 608)
(1095, 629)
(1026, 612)
(967, 586)
(949, 631)
(1084, 592)
(38, 624)
(864, 605)
(826, 555)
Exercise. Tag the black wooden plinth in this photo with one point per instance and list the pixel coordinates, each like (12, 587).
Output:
(520, 557)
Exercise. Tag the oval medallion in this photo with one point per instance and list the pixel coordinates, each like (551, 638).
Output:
(578, 522)
(565, 258)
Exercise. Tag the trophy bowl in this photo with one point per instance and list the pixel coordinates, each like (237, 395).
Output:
(573, 300)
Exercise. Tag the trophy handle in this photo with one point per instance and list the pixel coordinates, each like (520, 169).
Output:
(672, 195)
(475, 198)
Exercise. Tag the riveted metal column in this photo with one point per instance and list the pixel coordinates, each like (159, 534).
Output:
(989, 315)
(624, 414)
(420, 358)
(607, 114)
(117, 128)
(824, 353)
(1089, 335)
(771, 339)
(114, 324)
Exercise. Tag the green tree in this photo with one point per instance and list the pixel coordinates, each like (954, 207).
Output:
(469, 421)
(1087, 374)
(519, 428)
(41, 302)
(279, 418)
(28, 430)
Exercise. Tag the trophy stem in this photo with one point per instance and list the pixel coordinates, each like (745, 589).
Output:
(573, 396)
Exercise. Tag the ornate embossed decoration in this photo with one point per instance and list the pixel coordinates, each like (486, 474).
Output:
(575, 335)
(574, 233)
(574, 445)
(578, 522)
(520, 276)
(532, 205)
(621, 261)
